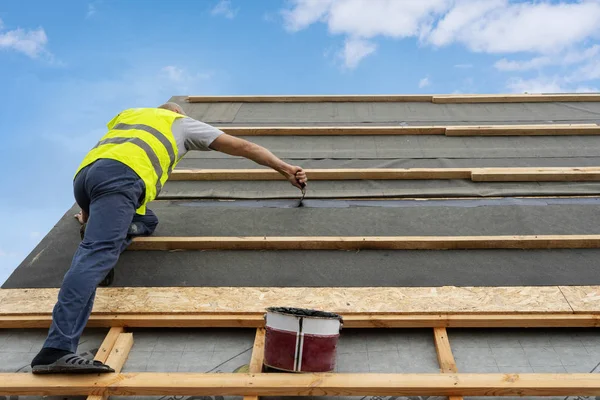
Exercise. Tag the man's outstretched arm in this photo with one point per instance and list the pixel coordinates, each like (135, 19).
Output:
(242, 148)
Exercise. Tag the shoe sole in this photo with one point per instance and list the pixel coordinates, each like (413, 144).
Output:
(49, 369)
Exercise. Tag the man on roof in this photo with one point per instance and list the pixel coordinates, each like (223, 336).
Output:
(112, 186)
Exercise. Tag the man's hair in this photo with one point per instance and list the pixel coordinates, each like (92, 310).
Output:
(173, 107)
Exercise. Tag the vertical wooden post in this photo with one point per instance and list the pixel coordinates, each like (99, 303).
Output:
(108, 343)
(444, 355)
(117, 356)
(258, 357)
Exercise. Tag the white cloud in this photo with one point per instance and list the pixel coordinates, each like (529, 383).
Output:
(424, 82)
(173, 73)
(29, 42)
(225, 9)
(305, 13)
(355, 50)
(534, 63)
(498, 26)
(491, 26)
(588, 72)
(542, 84)
(91, 10)
(180, 76)
(567, 58)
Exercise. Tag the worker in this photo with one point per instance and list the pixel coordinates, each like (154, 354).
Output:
(113, 186)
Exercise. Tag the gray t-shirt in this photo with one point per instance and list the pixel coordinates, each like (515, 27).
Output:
(193, 135)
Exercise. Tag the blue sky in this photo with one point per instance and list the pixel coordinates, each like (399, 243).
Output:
(66, 68)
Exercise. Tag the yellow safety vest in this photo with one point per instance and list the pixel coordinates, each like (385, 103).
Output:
(142, 139)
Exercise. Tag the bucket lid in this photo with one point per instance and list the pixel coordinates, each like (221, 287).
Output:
(304, 312)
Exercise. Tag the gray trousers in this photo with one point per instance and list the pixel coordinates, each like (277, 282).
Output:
(110, 192)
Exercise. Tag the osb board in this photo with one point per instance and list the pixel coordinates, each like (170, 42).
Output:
(583, 299)
(425, 300)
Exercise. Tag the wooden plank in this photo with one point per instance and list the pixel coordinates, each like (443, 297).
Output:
(444, 355)
(356, 320)
(311, 98)
(523, 130)
(287, 384)
(444, 352)
(528, 174)
(120, 352)
(117, 357)
(440, 99)
(366, 242)
(514, 98)
(464, 130)
(108, 344)
(333, 130)
(258, 352)
(322, 174)
(536, 175)
(258, 357)
(220, 301)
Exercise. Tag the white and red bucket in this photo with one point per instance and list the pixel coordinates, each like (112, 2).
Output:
(300, 340)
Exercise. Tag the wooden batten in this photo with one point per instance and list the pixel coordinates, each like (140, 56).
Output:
(167, 243)
(287, 384)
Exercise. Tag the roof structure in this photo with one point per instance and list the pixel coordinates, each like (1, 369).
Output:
(421, 211)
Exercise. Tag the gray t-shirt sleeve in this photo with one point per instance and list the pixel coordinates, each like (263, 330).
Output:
(191, 134)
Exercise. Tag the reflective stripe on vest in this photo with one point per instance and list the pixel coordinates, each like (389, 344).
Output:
(142, 139)
(168, 145)
(149, 152)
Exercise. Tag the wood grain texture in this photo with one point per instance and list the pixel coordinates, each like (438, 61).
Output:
(258, 352)
(444, 352)
(312, 98)
(548, 174)
(536, 174)
(322, 174)
(582, 299)
(333, 130)
(258, 357)
(108, 344)
(167, 243)
(440, 99)
(347, 301)
(356, 320)
(524, 130)
(117, 357)
(444, 355)
(285, 384)
(513, 98)
(450, 130)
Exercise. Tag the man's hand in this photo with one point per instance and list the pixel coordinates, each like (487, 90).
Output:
(82, 217)
(296, 176)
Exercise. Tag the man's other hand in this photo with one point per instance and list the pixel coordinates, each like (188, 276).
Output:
(82, 217)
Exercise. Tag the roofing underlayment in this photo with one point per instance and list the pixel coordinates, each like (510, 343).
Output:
(369, 208)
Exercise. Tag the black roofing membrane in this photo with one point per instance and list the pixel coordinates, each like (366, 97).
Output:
(47, 264)
(372, 189)
(421, 146)
(392, 113)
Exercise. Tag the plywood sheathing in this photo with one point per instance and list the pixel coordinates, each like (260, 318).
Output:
(251, 300)
(583, 299)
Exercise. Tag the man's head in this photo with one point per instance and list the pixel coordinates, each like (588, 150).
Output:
(173, 107)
